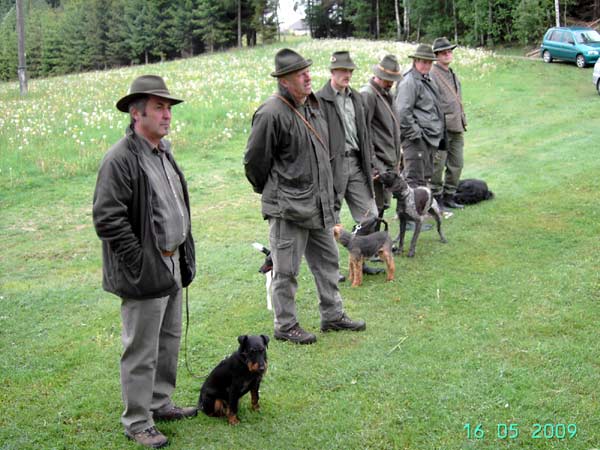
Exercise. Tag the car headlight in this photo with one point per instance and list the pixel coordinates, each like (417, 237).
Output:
(592, 52)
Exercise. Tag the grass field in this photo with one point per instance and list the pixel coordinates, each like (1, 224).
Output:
(498, 328)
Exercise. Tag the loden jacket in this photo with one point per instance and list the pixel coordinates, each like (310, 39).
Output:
(133, 266)
(450, 95)
(288, 164)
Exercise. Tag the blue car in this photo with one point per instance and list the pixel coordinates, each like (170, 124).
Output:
(578, 44)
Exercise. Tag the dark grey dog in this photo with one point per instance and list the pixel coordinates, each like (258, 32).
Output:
(412, 204)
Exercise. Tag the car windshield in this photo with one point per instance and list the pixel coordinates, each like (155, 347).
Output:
(587, 37)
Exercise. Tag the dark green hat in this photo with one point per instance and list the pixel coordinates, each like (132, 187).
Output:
(425, 52)
(288, 61)
(441, 44)
(146, 85)
(341, 60)
(388, 69)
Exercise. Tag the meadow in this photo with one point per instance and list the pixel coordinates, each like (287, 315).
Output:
(487, 342)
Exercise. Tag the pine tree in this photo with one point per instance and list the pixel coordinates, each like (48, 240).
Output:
(212, 24)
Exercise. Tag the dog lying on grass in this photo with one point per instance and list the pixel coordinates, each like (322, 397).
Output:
(471, 191)
(361, 247)
(233, 378)
(412, 204)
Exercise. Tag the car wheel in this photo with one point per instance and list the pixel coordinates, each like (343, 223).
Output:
(547, 56)
(580, 60)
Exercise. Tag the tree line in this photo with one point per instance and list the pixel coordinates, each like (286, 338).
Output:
(64, 36)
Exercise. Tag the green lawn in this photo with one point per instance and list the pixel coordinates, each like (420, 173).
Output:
(498, 327)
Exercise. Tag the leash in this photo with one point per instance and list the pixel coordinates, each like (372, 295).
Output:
(185, 343)
(308, 125)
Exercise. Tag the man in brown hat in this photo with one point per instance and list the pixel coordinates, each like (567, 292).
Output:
(287, 162)
(383, 125)
(141, 213)
(421, 117)
(349, 150)
(443, 185)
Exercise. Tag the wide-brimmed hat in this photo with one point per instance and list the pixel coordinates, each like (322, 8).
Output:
(146, 85)
(388, 69)
(341, 60)
(425, 52)
(288, 61)
(441, 44)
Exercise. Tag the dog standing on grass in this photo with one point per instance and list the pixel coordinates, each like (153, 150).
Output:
(234, 377)
(361, 247)
(412, 204)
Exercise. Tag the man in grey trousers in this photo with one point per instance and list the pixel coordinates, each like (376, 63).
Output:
(287, 162)
(141, 213)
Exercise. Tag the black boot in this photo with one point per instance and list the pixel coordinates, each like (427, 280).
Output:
(370, 270)
(450, 203)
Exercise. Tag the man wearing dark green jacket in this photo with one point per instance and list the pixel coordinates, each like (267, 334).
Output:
(141, 213)
(287, 162)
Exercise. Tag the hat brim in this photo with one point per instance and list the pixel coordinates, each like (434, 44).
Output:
(293, 68)
(446, 47)
(386, 75)
(423, 57)
(351, 66)
(123, 104)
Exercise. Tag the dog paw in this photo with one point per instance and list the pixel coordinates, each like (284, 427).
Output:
(411, 254)
(233, 420)
(256, 407)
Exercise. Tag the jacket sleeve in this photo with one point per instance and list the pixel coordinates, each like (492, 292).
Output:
(110, 211)
(405, 105)
(259, 150)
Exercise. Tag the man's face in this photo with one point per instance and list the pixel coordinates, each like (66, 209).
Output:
(154, 122)
(298, 83)
(423, 66)
(384, 84)
(340, 78)
(445, 57)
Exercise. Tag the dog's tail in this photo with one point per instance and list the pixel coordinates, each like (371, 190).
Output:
(261, 248)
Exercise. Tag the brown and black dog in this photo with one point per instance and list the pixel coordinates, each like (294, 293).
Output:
(412, 204)
(361, 247)
(233, 377)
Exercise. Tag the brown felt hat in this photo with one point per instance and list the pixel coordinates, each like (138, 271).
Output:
(441, 44)
(341, 60)
(388, 69)
(288, 61)
(425, 52)
(146, 85)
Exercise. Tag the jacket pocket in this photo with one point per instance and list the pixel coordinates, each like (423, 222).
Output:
(297, 204)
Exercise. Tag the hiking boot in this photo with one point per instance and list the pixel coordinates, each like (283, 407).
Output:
(371, 270)
(175, 413)
(296, 335)
(150, 437)
(450, 203)
(343, 323)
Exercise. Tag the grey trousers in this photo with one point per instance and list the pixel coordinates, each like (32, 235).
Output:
(288, 244)
(150, 335)
(451, 160)
(356, 192)
(418, 162)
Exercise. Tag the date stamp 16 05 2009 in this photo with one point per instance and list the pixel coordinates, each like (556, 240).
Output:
(517, 431)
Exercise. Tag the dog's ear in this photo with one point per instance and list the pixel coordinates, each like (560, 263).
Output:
(242, 340)
(265, 339)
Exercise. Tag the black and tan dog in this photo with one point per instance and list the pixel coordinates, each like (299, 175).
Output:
(361, 247)
(413, 204)
(233, 377)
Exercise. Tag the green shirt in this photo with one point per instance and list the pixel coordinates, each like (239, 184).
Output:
(344, 103)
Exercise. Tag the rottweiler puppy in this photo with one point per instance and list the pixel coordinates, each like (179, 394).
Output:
(233, 377)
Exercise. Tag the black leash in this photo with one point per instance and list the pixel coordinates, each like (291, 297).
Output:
(185, 344)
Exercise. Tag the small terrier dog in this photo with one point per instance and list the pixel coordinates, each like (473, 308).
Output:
(234, 377)
(361, 247)
(412, 204)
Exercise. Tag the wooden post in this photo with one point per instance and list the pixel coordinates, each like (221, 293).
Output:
(21, 69)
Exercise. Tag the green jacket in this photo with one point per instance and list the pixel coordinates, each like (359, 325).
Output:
(286, 162)
(418, 107)
(337, 139)
(384, 129)
(450, 94)
(133, 266)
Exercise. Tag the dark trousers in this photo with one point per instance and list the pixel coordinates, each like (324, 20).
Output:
(418, 162)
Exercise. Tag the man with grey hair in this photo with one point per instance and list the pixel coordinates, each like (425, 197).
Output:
(287, 162)
(141, 213)
(421, 118)
(448, 165)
